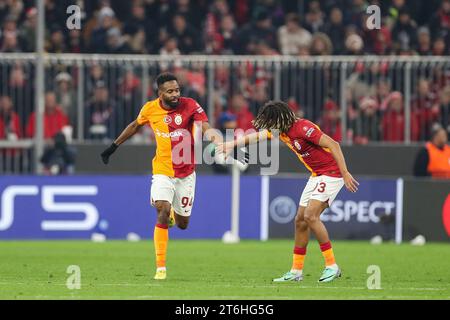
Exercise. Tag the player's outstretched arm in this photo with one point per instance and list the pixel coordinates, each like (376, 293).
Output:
(127, 133)
(211, 134)
(251, 138)
(326, 142)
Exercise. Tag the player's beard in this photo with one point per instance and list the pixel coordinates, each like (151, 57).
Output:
(171, 103)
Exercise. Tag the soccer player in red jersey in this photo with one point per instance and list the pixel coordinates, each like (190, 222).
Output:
(323, 157)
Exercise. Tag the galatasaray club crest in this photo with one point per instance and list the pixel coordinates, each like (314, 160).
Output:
(297, 145)
(167, 120)
(178, 119)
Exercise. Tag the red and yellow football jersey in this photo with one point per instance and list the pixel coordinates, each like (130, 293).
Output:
(303, 139)
(174, 134)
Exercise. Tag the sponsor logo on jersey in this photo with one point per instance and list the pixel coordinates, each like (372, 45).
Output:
(309, 132)
(306, 154)
(174, 134)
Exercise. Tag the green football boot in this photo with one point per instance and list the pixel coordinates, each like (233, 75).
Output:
(329, 274)
(290, 276)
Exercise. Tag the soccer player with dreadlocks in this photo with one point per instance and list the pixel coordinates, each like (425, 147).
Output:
(323, 157)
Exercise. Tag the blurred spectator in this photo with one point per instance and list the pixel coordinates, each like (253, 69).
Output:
(228, 33)
(262, 48)
(192, 83)
(382, 90)
(377, 41)
(314, 19)
(54, 118)
(75, 42)
(259, 29)
(366, 126)
(425, 106)
(193, 11)
(440, 22)
(434, 159)
(187, 37)
(169, 49)
(321, 45)
(404, 33)
(65, 96)
(96, 74)
(239, 108)
(99, 38)
(444, 109)
(292, 36)
(424, 42)
(59, 157)
(330, 122)
(56, 42)
(393, 120)
(28, 30)
(355, 12)
(116, 43)
(99, 114)
(129, 97)
(258, 95)
(292, 103)
(354, 45)
(139, 29)
(10, 128)
(10, 43)
(18, 89)
(335, 29)
(440, 47)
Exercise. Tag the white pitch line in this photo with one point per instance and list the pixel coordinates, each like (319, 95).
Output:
(212, 298)
(284, 286)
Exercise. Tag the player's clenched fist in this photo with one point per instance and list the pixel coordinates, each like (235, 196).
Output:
(108, 152)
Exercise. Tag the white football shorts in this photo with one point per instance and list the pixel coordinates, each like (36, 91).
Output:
(321, 188)
(179, 192)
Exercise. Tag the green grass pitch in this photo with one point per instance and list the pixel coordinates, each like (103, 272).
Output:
(213, 270)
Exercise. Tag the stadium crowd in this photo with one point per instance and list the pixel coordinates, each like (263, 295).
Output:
(221, 27)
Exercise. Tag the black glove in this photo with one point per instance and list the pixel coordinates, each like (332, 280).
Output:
(108, 152)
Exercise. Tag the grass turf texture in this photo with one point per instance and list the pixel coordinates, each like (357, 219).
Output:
(212, 270)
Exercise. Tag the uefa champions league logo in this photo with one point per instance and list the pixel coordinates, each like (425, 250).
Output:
(282, 209)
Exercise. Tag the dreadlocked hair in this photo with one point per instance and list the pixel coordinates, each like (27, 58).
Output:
(275, 115)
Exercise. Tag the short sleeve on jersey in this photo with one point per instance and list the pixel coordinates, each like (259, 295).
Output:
(310, 132)
(198, 113)
(143, 116)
